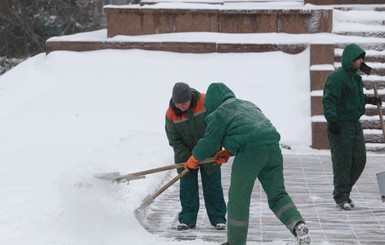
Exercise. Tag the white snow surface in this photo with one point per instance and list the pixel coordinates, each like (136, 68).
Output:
(66, 116)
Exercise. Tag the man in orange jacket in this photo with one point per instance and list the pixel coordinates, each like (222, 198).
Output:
(184, 127)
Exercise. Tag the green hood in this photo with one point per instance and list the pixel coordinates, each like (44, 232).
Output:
(350, 53)
(216, 94)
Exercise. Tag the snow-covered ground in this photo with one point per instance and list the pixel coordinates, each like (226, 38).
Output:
(68, 115)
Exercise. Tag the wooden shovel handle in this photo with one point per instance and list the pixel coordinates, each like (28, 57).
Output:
(169, 167)
(170, 183)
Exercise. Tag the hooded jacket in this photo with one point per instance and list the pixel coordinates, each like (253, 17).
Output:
(343, 97)
(233, 124)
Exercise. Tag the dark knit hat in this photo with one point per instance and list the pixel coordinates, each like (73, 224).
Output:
(181, 93)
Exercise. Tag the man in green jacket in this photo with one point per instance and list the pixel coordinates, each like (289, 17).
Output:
(184, 127)
(242, 129)
(343, 104)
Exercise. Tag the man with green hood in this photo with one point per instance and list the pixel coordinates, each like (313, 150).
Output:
(343, 104)
(242, 129)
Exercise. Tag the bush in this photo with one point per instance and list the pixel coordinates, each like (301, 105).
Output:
(25, 25)
(6, 64)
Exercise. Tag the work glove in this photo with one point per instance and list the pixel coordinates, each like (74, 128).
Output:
(334, 128)
(222, 157)
(191, 163)
(374, 100)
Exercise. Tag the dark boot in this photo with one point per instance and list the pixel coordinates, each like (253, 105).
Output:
(183, 227)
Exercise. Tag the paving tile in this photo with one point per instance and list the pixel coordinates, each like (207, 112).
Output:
(309, 181)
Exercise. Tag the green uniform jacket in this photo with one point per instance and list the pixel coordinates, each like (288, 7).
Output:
(232, 123)
(343, 98)
(184, 129)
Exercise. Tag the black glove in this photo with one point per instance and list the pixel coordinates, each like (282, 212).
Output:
(374, 100)
(334, 128)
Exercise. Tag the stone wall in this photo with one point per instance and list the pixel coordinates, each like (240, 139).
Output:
(321, 65)
(180, 47)
(141, 21)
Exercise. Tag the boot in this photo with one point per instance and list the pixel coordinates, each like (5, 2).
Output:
(344, 206)
(302, 234)
(183, 227)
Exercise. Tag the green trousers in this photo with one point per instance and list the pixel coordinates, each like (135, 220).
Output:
(349, 158)
(266, 164)
(212, 194)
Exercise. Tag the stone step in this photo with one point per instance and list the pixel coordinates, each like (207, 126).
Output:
(371, 19)
(379, 34)
(375, 147)
(373, 136)
(372, 46)
(371, 56)
(371, 122)
(369, 81)
(372, 111)
(369, 24)
(349, 2)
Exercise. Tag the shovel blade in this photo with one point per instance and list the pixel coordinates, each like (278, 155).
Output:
(116, 177)
(108, 176)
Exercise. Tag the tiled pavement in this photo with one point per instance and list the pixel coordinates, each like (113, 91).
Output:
(309, 181)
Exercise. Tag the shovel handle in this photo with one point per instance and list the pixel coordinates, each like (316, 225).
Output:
(169, 167)
(379, 111)
(150, 199)
(170, 183)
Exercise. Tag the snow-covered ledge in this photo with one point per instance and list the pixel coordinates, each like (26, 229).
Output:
(323, 2)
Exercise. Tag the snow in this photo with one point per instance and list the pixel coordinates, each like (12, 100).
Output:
(66, 116)
(247, 38)
(324, 67)
(69, 115)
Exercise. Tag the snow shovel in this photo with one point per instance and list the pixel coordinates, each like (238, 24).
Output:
(381, 184)
(116, 177)
(379, 111)
(139, 212)
(150, 198)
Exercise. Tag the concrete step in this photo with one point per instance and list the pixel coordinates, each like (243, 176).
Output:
(374, 52)
(373, 136)
(375, 147)
(367, 46)
(372, 19)
(371, 122)
(369, 81)
(350, 4)
(379, 34)
(372, 58)
(364, 23)
(371, 110)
